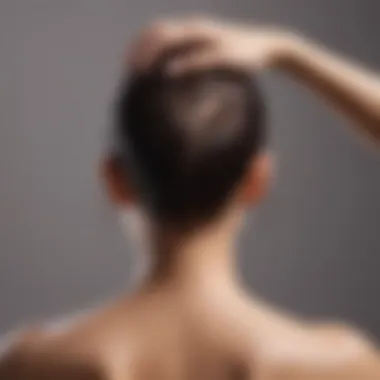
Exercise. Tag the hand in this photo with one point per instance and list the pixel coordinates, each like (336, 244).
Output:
(220, 44)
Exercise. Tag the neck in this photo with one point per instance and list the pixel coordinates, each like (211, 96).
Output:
(202, 258)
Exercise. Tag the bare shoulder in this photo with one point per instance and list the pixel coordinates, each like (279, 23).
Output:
(89, 345)
(329, 351)
(366, 367)
(345, 335)
(60, 349)
(28, 356)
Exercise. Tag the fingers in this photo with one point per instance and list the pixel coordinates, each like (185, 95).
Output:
(157, 39)
(194, 62)
(150, 42)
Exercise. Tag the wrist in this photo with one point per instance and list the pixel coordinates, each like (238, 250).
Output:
(288, 50)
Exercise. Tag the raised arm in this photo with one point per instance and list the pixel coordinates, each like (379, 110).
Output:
(348, 87)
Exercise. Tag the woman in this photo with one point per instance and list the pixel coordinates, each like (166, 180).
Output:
(189, 151)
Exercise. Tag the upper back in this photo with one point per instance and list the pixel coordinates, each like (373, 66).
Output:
(155, 337)
(161, 339)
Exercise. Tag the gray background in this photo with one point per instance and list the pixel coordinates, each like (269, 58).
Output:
(314, 247)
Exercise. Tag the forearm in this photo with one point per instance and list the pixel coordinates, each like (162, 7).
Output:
(349, 88)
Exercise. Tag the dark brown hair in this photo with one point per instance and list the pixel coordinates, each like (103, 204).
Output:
(187, 141)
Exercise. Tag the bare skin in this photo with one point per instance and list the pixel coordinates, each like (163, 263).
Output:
(191, 317)
(348, 87)
(196, 322)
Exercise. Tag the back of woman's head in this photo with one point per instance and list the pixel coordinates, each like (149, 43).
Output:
(186, 142)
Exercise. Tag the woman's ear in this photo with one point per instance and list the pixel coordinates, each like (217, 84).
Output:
(258, 178)
(116, 182)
